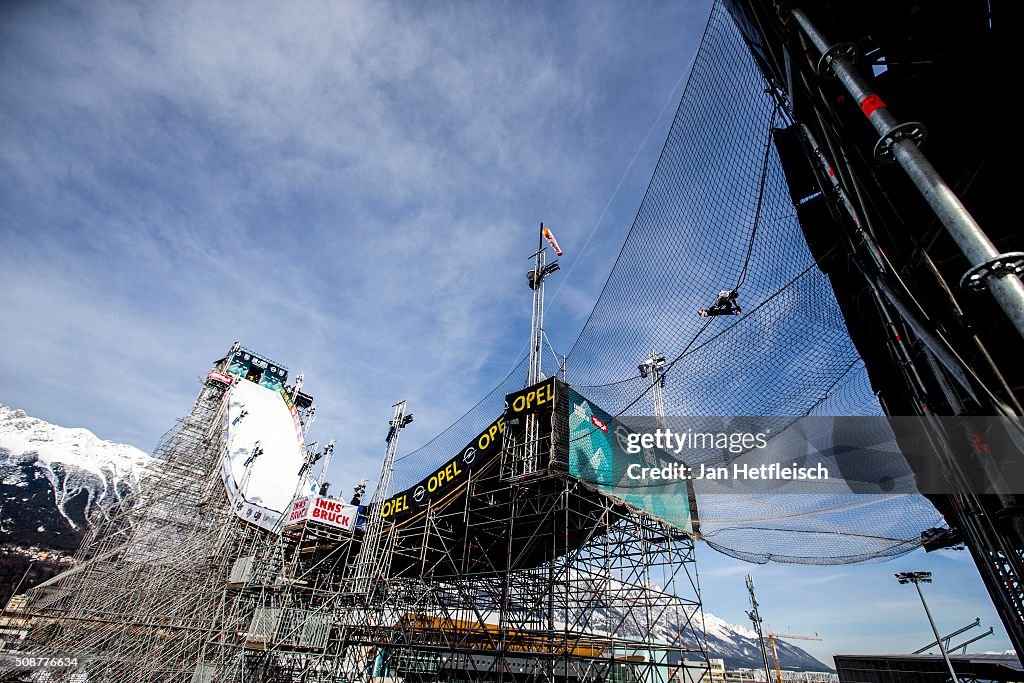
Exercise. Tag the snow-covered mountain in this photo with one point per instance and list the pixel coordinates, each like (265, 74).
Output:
(738, 646)
(53, 479)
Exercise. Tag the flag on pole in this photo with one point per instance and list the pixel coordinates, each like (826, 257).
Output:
(550, 237)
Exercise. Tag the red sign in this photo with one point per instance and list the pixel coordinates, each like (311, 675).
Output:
(333, 512)
(299, 511)
(219, 377)
(599, 423)
(324, 510)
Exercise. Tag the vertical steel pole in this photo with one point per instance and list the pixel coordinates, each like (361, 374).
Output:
(371, 555)
(531, 447)
(657, 395)
(935, 630)
(653, 364)
(900, 142)
(755, 617)
(537, 324)
(328, 454)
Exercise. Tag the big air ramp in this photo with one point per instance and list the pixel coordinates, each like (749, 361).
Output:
(262, 454)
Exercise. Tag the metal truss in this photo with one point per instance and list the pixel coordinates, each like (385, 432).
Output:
(522, 578)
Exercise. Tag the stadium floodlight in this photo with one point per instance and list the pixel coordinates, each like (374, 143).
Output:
(549, 268)
(403, 422)
(917, 578)
(914, 577)
(652, 362)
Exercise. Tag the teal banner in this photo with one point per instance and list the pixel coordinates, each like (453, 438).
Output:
(598, 456)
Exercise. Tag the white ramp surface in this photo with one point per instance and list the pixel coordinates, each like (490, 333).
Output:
(262, 488)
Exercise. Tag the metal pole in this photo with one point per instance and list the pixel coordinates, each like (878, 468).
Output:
(308, 422)
(372, 555)
(652, 365)
(755, 617)
(537, 324)
(935, 630)
(975, 639)
(656, 389)
(899, 142)
(20, 581)
(537, 276)
(328, 453)
(387, 470)
(949, 636)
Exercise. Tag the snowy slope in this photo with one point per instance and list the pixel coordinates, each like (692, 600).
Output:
(258, 418)
(84, 474)
(738, 646)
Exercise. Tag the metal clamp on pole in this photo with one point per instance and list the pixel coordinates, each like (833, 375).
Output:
(1010, 263)
(847, 51)
(912, 130)
(899, 141)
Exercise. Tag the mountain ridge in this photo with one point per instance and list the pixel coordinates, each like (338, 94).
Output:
(53, 480)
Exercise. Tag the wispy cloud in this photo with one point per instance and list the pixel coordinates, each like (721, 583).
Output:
(350, 187)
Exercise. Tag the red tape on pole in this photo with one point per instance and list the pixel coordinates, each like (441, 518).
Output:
(870, 103)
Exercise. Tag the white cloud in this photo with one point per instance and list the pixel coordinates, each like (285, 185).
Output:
(350, 187)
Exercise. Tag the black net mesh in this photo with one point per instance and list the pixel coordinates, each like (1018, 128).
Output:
(717, 216)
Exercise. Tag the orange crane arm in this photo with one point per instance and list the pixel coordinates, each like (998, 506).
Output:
(775, 654)
(791, 636)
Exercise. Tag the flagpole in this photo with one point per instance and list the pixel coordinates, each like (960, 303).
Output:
(537, 324)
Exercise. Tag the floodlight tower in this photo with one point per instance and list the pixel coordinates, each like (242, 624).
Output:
(652, 367)
(536, 278)
(917, 578)
(373, 555)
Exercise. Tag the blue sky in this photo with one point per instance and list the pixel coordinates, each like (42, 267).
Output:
(855, 608)
(353, 189)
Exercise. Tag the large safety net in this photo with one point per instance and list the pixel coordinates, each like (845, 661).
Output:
(717, 216)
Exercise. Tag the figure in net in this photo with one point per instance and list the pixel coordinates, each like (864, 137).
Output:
(725, 304)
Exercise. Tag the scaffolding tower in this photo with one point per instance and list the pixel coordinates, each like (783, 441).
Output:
(526, 579)
(174, 585)
(510, 576)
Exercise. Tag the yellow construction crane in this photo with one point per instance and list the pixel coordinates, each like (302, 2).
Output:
(775, 654)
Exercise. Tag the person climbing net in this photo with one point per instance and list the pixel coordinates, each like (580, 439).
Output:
(725, 304)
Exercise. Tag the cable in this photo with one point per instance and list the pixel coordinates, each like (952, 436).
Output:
(760, 202)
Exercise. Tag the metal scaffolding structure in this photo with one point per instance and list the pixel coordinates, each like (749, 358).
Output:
(511, 569)
(130, 604)
(173, 585)
(507, 578)
(528, 580)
